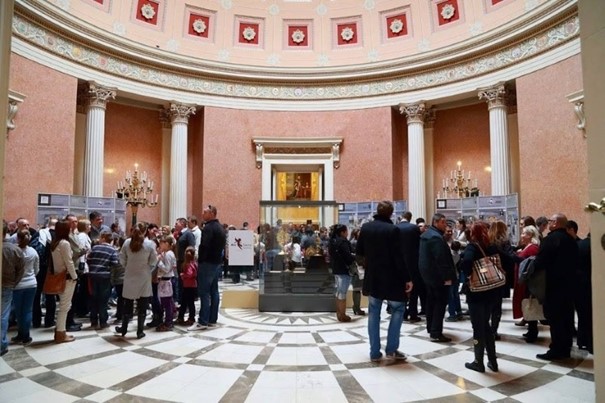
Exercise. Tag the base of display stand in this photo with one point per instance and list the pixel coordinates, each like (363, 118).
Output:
(296, 303)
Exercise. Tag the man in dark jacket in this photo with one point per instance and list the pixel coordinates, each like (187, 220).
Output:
(438, 272)
(410, 241)
(386, 278)
(13, 267)
(559, 258)
(210, 262)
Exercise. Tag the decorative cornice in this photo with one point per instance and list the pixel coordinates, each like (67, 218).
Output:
(550, 27)
(577, 99)
(299, 145)
(14, 100)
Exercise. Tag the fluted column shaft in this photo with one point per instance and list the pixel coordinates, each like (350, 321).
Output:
(179, 116)
(416, 170)
(498, 133)
(97, 97)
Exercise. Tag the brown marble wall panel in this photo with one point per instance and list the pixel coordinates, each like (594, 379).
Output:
(554, 171)
(400, 155)
(133, 135)
(39, 151)
(462, 134)
(196, 164)
(233, 183)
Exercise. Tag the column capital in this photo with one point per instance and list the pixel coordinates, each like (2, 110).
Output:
(98, 95)
(430, 117)
(495, 96)
(415, 113)
(179, 113)
(164, 118)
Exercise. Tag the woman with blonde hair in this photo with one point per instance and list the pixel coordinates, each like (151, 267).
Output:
(529, 245)
(139, 258)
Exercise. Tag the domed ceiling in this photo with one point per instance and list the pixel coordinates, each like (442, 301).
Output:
(305, 50)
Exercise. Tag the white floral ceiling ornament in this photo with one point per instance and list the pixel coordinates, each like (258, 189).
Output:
(249, 33)
(298, 36)
(147, 11)
(396, 26)
(199, 26)
(448, 11)
(347, 34)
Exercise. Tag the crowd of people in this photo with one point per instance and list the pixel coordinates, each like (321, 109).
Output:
(433, 263)
(417, 269)
(159, 268)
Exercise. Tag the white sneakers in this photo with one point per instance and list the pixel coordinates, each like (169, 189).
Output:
(196, 326)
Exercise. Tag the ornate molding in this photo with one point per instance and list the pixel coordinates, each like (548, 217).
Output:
(98, 95)
(14, 100)
(164, 116)
(482, 55)
(287, 146)
(577, 99)
(495, 96)
(415, 113)
(179, 113)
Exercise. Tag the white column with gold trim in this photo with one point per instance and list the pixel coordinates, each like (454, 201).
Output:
(498, 138)
(179, 117)
(416, 170)
(97, 97)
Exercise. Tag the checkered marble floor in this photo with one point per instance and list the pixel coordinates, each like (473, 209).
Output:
(286, 357)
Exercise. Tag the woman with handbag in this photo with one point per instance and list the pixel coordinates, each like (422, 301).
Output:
(138, 257)
(62, 260)
(530, 246)
(341, 257)
(481, 301)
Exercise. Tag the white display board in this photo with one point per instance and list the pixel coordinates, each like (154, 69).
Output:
(241, 248)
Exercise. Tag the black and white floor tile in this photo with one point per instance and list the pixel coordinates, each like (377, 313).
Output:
(286, 357)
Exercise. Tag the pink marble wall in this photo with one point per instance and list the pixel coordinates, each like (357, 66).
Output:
(39, 151)
(196, 173)
(133, 135)
(233, 183)
(399, 155)
(462, 134)
(554, 171)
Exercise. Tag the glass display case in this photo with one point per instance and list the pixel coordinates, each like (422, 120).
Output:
(292, 257)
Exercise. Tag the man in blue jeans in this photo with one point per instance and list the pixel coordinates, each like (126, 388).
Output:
(210, 261)
(12, 271)
(386, 278)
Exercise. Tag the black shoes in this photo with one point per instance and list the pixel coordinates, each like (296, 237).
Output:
(493, 365)
(414, 319)
(359, 312)
(75, 327)
(550, 356)
(530, 337)
(475, 366)
(140, 334)
(121, 330)
(441, 339)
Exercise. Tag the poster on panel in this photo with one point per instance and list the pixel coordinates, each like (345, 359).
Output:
(241, 248)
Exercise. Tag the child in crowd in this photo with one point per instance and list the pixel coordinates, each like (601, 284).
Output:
(166, 270)
(189, 277)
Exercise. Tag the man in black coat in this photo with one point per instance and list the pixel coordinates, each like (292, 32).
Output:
(437, 269)
(386, 278)
(410, 242)
(558, 257)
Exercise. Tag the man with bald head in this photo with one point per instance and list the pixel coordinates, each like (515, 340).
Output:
(559, 258)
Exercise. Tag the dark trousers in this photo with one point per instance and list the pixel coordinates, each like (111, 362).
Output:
(37, 308)
(560, 315)
(418, 293)
(496, 315)
(436, 301)
(483, 335)
(188, 302)
(120, 301)
(99, 298)
(583, 303)
(156, 306)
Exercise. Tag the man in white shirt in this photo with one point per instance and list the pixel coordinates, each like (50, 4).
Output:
(197, 232)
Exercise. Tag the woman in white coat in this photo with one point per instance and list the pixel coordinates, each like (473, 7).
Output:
(138, 257)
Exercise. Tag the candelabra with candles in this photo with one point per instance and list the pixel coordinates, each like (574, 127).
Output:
(458, 185)
(137, 191)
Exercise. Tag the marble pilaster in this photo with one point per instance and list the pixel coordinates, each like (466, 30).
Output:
(415, 114)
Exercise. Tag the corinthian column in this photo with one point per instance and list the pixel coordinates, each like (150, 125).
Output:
(96, 104)
(179, 117)
(498, 138)
(415, 114)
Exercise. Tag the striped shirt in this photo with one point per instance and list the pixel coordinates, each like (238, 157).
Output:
(101, 259)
